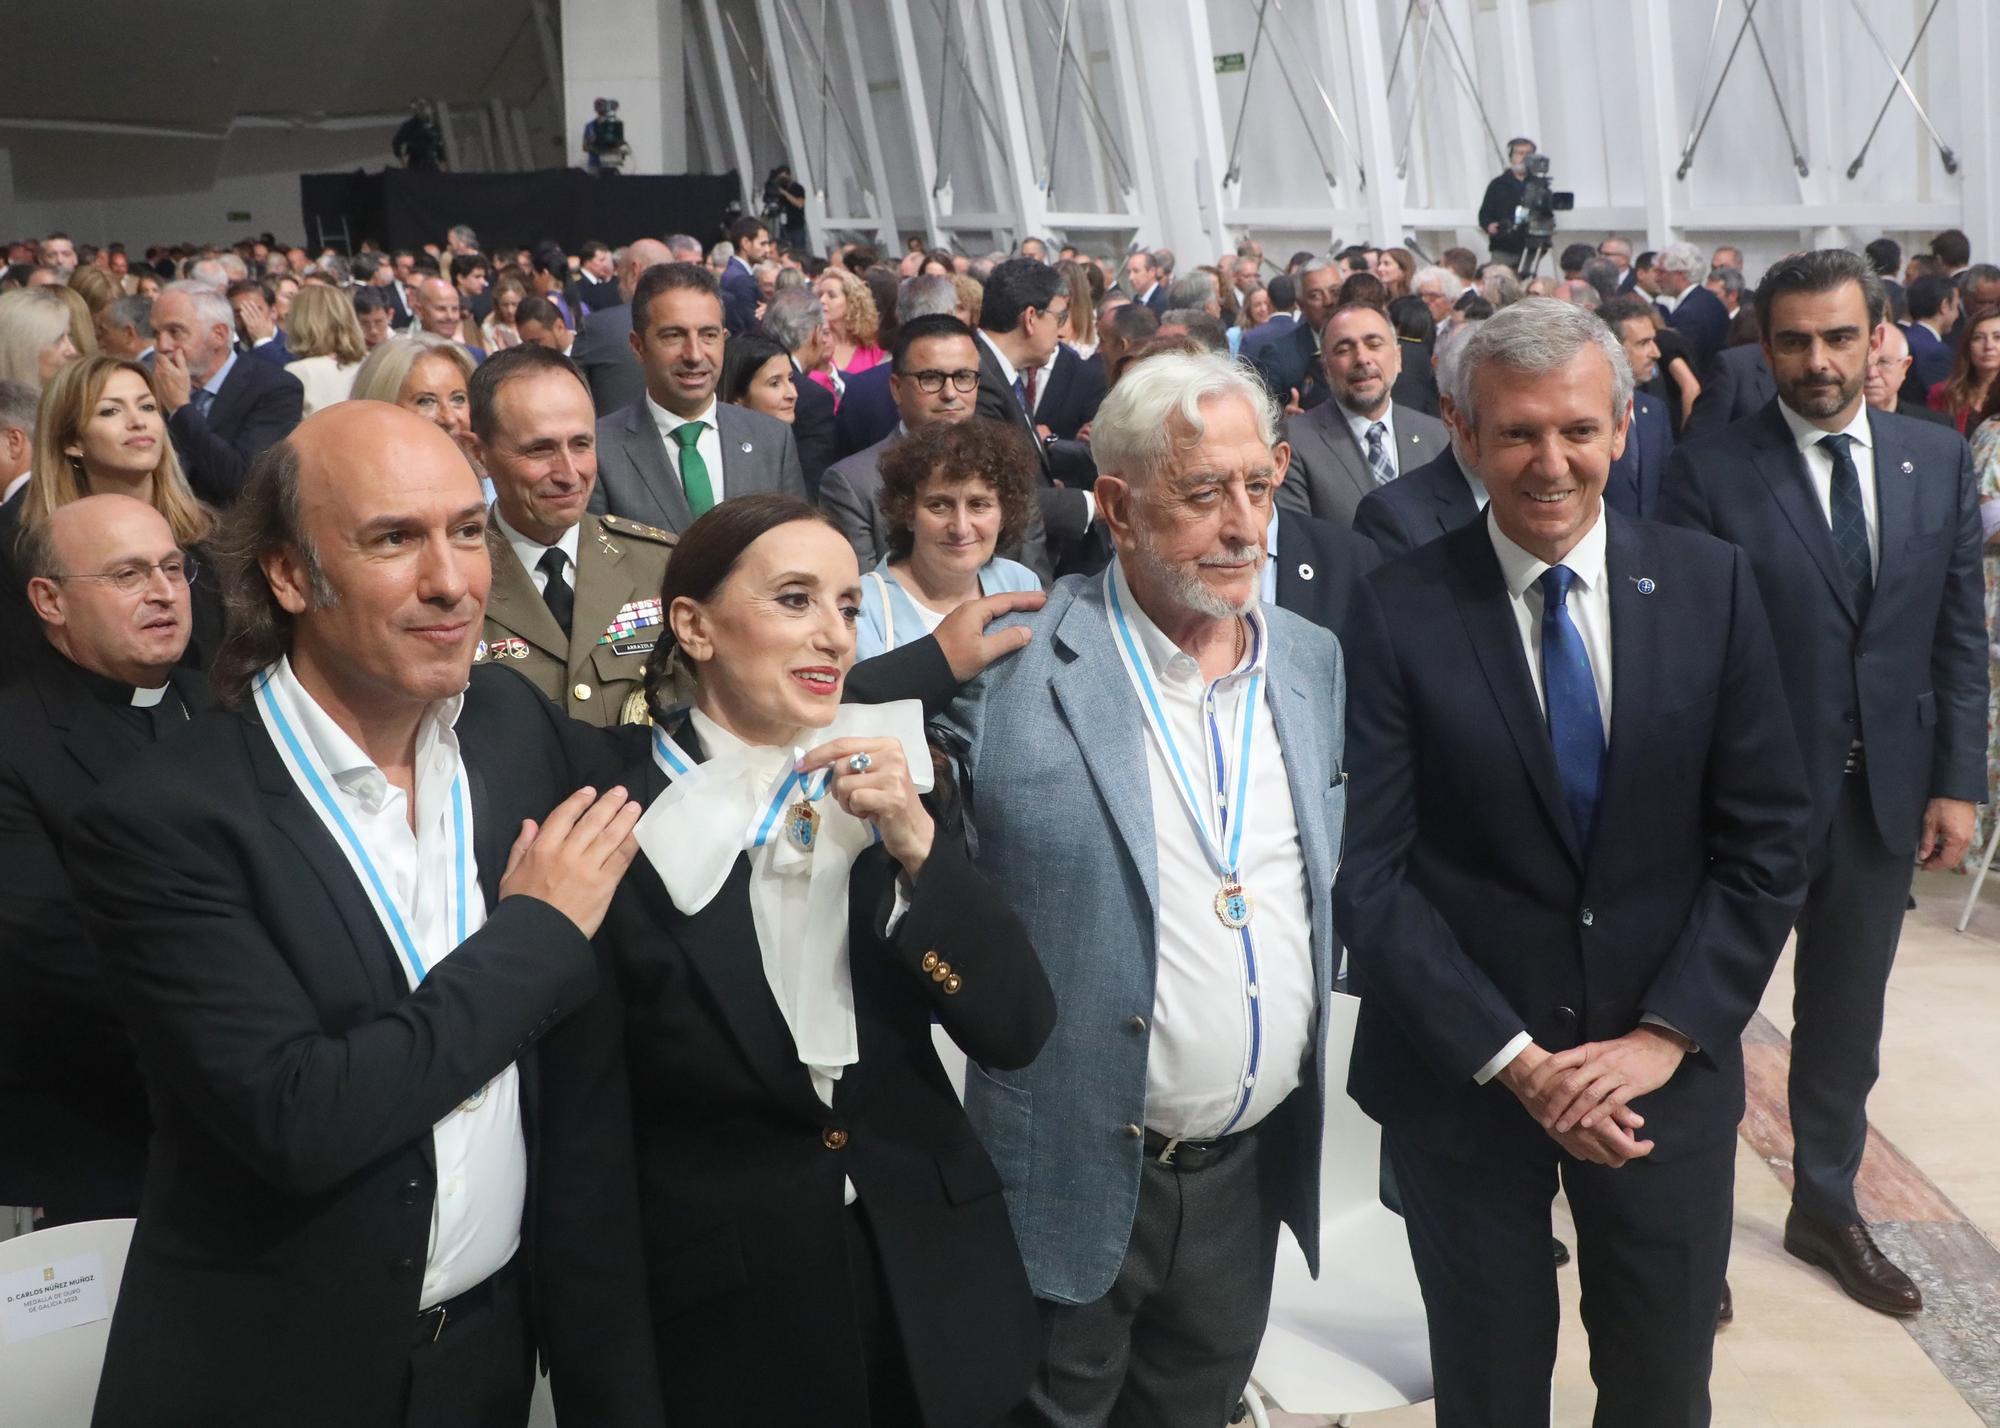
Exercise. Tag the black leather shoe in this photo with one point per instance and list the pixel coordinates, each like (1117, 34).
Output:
(1562, 1252)
(1727, 1314)
(1849, 1253)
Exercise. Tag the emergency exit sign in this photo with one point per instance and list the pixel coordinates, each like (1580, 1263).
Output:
(1229, 64)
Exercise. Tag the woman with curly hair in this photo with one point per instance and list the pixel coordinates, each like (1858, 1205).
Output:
(952, 494)
(854, 321)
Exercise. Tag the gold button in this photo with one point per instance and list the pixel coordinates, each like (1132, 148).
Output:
(930, 961)
(952, 984)
(941, 971)
(1132, 1132)
(1138, 1023)
(582, 691)
(833, 1138)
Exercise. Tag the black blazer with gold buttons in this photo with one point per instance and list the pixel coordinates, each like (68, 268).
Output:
(740, 1166)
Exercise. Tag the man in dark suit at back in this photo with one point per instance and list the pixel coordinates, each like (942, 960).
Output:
(1067, 393)
(223, 409)
(752, 242)
(1289, 360)
(1565, 889)
(795, 321)
(1888, 365)
(1313, 567)
(1738, 384)
(677, 451)
(868, 409)
(1885, 256)
(1634, 486)
(1935, 306)
(1864, 532)
(603, 349)
(1692, 310)
(1024, 305)
(108, 684)
(335, 971)
(1147, 282)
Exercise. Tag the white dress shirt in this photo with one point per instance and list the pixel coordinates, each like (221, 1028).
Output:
(1359, 425)
(1009, 371)
(1218, 1031)
(708, 444)
(1819, 466)
(530, 552)
(482, 1155)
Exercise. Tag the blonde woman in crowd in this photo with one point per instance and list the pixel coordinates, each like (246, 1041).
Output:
(326, 344)
(35, 336)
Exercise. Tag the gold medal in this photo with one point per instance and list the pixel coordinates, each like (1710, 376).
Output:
(802, 826)
(1233, 906)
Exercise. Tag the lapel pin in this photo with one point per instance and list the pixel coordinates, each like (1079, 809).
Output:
(479, 652)
(1305, 572)
(1908, 468)
(746, 448)
(1645, 584)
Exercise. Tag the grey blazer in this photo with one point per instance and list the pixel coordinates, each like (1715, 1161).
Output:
(1330, 475)
(851, 492)
(638, 480)
(603, 353)
(1059, 795)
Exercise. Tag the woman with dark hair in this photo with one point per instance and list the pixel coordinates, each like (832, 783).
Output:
(825, 1240)
(757, 373)
(1973, 367)
(1396, 268)
(953, 493)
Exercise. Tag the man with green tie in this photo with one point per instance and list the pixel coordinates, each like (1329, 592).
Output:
(677, 451)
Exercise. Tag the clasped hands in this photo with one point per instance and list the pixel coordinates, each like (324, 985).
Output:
(1582, 1096)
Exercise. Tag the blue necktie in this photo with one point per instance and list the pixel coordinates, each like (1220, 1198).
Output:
(1576, 721)
(1849, 521)
(1021, 396)
(203, 399)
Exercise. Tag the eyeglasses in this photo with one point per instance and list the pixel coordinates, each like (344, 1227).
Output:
(965, 379)
(1058, 315)
(131, 579)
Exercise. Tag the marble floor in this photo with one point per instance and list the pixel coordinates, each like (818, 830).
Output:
(1800, 1353)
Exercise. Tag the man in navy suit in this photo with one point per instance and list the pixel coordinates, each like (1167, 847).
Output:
(257, 330)
(1288, 360)
(752, 241)
(1634, 488)
(1578, 842)
(1692, 310)
(223, 409)
(1738, 384)
(1414, 510)
(1863, 529)
(1147, 282)
(1934, 310)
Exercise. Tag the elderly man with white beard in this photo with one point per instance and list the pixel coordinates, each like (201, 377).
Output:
(1156, 780)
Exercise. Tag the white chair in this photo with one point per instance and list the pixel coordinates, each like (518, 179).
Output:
(51, 1380)
(1355, 1340)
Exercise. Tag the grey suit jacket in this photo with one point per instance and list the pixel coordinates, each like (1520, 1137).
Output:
(603, 353)
(851, 492)
(1330, 474)
(637, 479)
(1063, 806)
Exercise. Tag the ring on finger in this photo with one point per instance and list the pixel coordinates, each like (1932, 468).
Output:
(859, 763)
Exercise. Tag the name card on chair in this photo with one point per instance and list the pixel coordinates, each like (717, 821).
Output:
(48, 1298)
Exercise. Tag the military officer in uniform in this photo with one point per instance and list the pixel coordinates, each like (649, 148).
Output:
(575, 604)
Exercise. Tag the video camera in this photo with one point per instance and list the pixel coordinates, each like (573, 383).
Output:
(1535, 218)
(604, 138)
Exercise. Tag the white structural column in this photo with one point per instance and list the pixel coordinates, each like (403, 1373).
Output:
(732, 102)
(1383, 200)
(916, 108)
(881, 197)
(1971, 131)
(1210, 149)
(1820, 187)
(777, 50)
(1523, 114)
(628, 50)
(1030, 201)
(1659, 121)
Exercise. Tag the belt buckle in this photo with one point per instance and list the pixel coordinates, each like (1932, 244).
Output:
(442, 1313)
(1166, 1155)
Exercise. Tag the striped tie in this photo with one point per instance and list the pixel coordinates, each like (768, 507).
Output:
(1379, 460)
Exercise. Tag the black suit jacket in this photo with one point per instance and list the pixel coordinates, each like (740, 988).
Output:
(1469, 908)
(867, 411)
(1288, 362)
(1701, 318)
(603, 353)
(1634, 486)
(258, 406)
(1064, 511)
(812, 430)
(1070, 394)
(1417, 508)
(739, 297)
(1909, 681)
(1930, 361)
(295, 1077)
(1920, 412)
(739, 1167)
(1320, 565)
(599, 296)
(70, 1094)
(1737, 384)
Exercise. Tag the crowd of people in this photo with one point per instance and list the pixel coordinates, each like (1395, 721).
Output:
(506, 759)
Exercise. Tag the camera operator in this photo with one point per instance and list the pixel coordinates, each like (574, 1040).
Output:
(1499, 212)
(604, 146)
(785, 207)
(419, 143)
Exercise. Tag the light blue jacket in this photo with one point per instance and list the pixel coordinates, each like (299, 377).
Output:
(871, 631)
(1063, 813)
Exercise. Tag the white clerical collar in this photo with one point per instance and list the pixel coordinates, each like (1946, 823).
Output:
(530, 550)
(143, 698)
(357, 775)
(1162, 654)
(1521, 570)
(1805, 435)
(666, 421)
